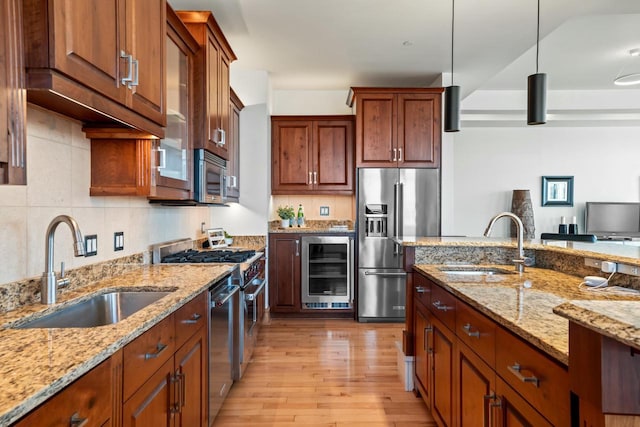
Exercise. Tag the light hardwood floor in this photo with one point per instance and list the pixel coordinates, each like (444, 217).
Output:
(312, 372)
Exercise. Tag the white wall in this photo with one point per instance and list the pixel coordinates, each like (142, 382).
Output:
(310, 102)
(59, 175)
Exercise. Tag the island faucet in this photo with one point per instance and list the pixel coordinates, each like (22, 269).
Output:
(50, 283)
(521, 261)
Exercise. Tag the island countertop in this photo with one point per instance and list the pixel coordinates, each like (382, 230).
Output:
(524, 303)
(37, 363)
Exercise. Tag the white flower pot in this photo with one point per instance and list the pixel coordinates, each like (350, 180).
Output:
(284, 223)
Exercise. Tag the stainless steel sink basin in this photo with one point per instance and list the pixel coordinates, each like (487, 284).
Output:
(475, 271)
(99, 310)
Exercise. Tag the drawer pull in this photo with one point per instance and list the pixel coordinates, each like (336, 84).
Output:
(495, 400)
(159, 349)
(439, 306)
(421, 289)
(76, 421)
(467, 330)
(516, 370)
(194, 319)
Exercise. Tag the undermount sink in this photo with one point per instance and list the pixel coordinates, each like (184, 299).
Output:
(471, 270)
(99, 310)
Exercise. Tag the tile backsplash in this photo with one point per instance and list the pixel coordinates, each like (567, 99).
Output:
(340, 207)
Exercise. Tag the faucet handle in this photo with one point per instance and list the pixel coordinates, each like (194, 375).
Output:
(62, 281)
(529, 262)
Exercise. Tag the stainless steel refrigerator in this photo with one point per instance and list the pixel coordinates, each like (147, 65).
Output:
(392, 202)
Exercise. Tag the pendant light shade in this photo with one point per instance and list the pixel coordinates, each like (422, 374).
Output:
(452, 93)
(452, 109)
(537, 99)
(537, 88)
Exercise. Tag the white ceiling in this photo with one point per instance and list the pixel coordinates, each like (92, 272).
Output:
(335, 44)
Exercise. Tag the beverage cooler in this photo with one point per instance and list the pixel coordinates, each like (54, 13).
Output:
(327, 272)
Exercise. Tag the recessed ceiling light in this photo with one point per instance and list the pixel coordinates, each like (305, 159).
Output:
(407, 43)
(629, 79)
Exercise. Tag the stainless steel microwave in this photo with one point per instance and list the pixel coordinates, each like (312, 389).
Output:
(210, 181)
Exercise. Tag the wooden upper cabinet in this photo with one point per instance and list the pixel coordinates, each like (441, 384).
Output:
(212, 86)
(397, 127)
(12, 96)
(98, 60)
(312, 155)
(233, 147)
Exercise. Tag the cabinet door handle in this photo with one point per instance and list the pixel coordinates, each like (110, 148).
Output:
(400, 154)
(427, 330)
(135, 80)
(129, 59)
(439, 306)
(159, 349)
(467, 330)
(224, 137)
(297, 247)
(174, 406)
(421, 289)
(310, 178)
(315, 177)
(163, 158)
(395, 155)
(516, 370)
(194, 319)
(76, 421)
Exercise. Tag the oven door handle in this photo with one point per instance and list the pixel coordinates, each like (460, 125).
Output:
(252, 296)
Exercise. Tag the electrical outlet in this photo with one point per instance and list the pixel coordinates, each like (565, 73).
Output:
(118, 240)
(91, 245)
(324, 210)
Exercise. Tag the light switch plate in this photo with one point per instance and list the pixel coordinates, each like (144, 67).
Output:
(324, 210)
(91, 245)
(118, 241)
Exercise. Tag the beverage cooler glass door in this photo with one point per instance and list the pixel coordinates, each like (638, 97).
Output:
(327, 271)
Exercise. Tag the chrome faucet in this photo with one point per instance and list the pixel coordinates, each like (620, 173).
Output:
(522, 260)
(50, 283)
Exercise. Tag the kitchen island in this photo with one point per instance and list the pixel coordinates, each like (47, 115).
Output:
(35, 364)
(529, 307)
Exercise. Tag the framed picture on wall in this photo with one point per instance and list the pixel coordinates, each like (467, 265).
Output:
(557, 191)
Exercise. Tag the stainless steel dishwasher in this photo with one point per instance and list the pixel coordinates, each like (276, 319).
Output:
(223, 340)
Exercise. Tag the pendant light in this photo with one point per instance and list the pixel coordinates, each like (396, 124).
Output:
(452, 93)
(537, 88)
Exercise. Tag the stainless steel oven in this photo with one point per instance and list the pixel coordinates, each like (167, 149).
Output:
(210, 178)
(327, 272)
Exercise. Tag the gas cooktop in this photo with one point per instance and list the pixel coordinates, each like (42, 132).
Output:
(212, 256)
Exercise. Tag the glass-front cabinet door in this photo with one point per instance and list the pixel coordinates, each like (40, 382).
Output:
(173, 156)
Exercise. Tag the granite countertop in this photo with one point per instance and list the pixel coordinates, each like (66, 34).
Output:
(315, 226)
(37, 363)
(628, 254)
(619, 320)
(524, 304)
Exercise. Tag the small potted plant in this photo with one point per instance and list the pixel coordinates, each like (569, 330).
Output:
(228, 239)
(286, 214)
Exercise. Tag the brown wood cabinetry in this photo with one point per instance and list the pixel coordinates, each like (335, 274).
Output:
(12, 97)
(233, 142)
(212, 88)
(90, 398)
(605, 378)
(471, 371)
(312, 155)
(133, 163)
(284, 273)
(98, 60)
(397, 127)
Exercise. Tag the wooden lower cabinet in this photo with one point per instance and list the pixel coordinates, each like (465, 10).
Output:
(464, 368)
(475, 388)
(191, 366)
(152, 404)
(89, 398)
(284, 272)
(442, 359)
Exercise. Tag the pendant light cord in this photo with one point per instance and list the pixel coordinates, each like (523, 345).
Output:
(453, 7)
(538, 38)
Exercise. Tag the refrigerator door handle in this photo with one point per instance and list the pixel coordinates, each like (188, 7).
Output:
(397, 209)
(374, 273)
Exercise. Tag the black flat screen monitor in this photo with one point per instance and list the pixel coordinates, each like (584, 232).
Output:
(613, 220)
